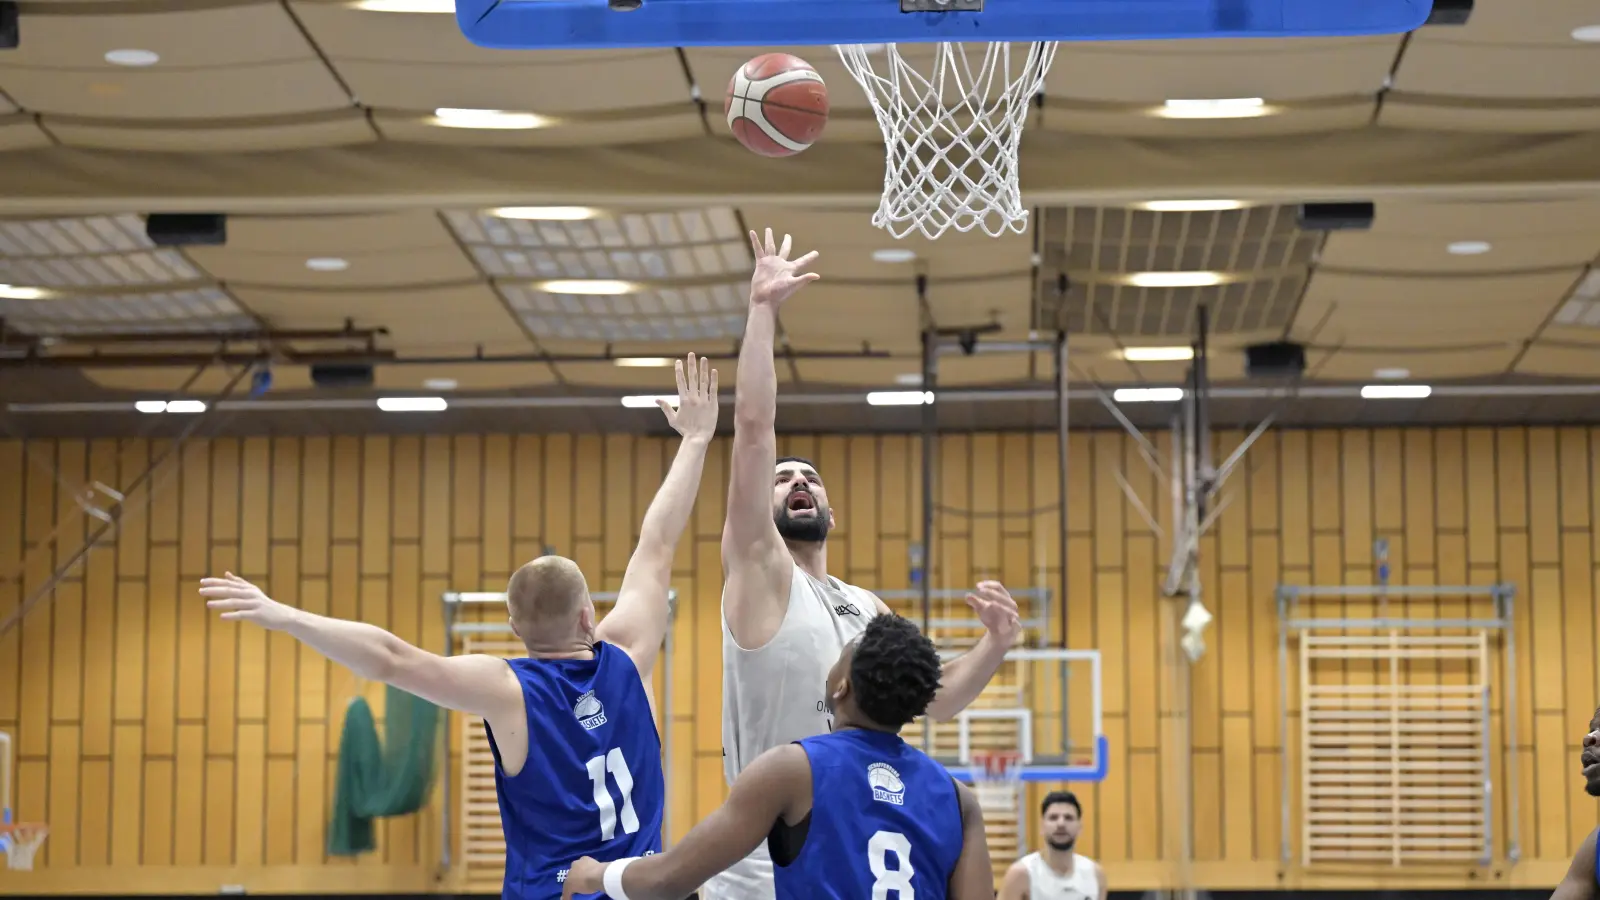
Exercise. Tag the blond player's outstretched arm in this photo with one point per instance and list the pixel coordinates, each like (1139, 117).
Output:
(756, 563)
(638, 621)
(477, 684)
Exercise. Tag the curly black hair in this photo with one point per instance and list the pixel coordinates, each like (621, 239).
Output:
(894, 672)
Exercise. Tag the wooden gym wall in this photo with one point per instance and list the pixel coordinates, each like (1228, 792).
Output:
(170, 751)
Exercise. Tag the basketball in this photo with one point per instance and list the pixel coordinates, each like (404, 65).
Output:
(777, 105)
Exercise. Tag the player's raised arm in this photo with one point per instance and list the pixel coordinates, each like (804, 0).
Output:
(973, 878)
(777, 785)
(638, 621)
(754, 557)
(477, 684)
(962, 679)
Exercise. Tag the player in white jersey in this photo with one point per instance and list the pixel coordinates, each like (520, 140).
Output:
(1056, 872)
(785, 619)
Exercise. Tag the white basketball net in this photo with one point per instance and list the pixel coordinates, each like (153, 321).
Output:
(952, 134)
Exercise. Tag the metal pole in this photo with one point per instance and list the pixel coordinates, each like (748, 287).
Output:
(449, 767)
(1506, 598)
(1062, 434)
(1283, 727)
(930, 439)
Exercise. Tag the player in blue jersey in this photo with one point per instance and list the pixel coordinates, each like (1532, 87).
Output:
(1583, 877)
(857, 814)
(577, 753)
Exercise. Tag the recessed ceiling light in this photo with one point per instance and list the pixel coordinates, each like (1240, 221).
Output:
(1589, 34)
(1468, 248)
(440, 384)
(412, 404)
(1147, 395)
(135, 58)
(150, 406)
(1174, 279)
(899, 398)
(18, 292)
(643, 362)
(586, 286)
(1191, 205)
(406, 6)
(1222, 108)
(893, 255)
(170, 406)
(546, 213)
(909, 379)
(487, 118)
(1156, 354)
(327, 264)
(644, 401)
(1395, 391)
(1391, 374)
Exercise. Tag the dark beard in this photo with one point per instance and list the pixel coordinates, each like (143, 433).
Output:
(1068, 845)
(811, 531)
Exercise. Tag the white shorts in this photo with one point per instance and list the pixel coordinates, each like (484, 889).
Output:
(748, 879)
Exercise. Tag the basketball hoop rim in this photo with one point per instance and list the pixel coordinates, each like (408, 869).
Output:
(996, 766)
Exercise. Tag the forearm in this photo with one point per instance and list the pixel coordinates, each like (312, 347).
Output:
(962, 679)
(755, 396)
(367, 650)
(662, 876)
(669, 512)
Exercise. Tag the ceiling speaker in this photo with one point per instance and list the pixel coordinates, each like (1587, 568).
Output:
(1335, 216)
(1279, 359)
(341, 375)
(10, 36)
(1450, 12)
(187, 229)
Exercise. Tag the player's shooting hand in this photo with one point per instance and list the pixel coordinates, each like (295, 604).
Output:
(776, 276)
(585, 877)
(239, 600)
(696, 415)
(997, 611)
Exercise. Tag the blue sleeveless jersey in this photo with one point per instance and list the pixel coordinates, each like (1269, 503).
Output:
(592, 785)
(885, 823)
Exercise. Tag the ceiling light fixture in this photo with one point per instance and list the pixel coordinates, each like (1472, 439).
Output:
(136, 59)
(546, 213)
(893, 255)
(1589, 34)
(1221, 108)
(412, 404)
(1467, 248)
(497, 119)
(899, 398)
(1174, 279)
(1391, 374)
(1156, 354)
(643, 362)
(170, 406)
(1147, 395)
(586, 286)
(909, 379)
(327, 264)
(151, 406)
(440, 384)
(647, 401)
(1395, 391)
(1191, 205)
(406, 6)
(18, 292)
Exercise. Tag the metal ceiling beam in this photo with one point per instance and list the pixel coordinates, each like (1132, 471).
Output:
(288, 356)
(1058, 168)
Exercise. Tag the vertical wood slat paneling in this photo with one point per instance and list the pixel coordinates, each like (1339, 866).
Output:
(215, 744)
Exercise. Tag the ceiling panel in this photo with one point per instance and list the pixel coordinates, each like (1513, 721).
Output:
(1429, 113)
(20, 132)
(391, 249)
(333, 128)
(1483, 70)
(266, 89)
(692, 312)
(421, 322)
(1121, 121)
(199, 310)
(845, 241)
(844, 317)
(590, 85)
(186, 40)
(1421, 363)
(1419, 311)
(691, 244)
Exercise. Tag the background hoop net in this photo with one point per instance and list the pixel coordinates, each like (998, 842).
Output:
(21, 842)
(952, 134)
(996, 776)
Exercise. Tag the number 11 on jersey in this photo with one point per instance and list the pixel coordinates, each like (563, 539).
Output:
(618, 767)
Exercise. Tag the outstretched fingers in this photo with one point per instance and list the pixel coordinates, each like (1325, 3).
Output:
(800, 264)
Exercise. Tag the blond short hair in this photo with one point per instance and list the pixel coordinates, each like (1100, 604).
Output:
(546, 593)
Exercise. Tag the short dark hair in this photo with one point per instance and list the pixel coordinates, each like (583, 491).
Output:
(1054, 797)
(798, 459)
(894, 672)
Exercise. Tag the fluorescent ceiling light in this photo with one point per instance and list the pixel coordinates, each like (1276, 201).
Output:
(894, 255)
(1157, 354)
(1147, 395)
(546, 213)
(440, 384)
(643, 362)
(1589, 34)
(151, 406)
(899, 398)
(137, 59)
(1222, 108)
(1192, 205)
(1468, 248)
(1395, 391)
(18, 292)
(586, 286)
(186, 406)
(1391, 374)
(406, 6)
(412, 404)
(1174, 279)
(487, 118)
(910, 379)
(643, 401)
(327, 264)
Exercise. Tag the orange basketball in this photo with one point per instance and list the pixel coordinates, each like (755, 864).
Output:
(777, 104)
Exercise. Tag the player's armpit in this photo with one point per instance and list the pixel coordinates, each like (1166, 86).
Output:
(973, 878)
(1580, 883)
(777, 784)
(1015, 885)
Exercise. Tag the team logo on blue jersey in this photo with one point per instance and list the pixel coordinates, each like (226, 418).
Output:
(886, 784)
(590, 713)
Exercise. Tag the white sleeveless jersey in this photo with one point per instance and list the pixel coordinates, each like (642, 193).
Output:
(776, 694)
(1045, 883)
